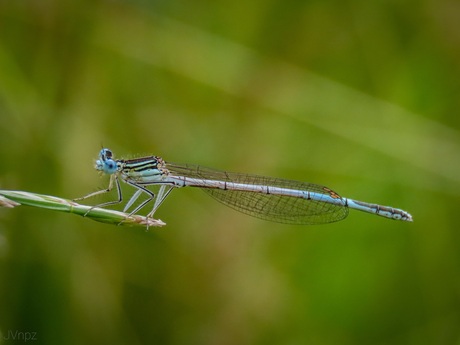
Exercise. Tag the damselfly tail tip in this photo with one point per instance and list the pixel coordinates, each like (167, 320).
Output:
(406, 216)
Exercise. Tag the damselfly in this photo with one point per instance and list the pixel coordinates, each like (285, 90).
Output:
(273, 199)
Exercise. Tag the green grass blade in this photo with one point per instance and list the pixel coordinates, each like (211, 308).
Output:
(9, 198)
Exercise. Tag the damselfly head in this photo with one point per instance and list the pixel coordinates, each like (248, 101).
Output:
(105, 163)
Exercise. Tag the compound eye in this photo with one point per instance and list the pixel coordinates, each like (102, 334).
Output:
(110, 166)
(105, 154)
(108, 153)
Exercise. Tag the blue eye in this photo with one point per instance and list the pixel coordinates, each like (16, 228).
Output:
(105, 154)
(110, 166)
(108, 154)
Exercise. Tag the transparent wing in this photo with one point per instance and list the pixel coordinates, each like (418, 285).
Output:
(272, 207)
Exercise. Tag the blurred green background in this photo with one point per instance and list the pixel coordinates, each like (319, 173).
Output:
(361, 96)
